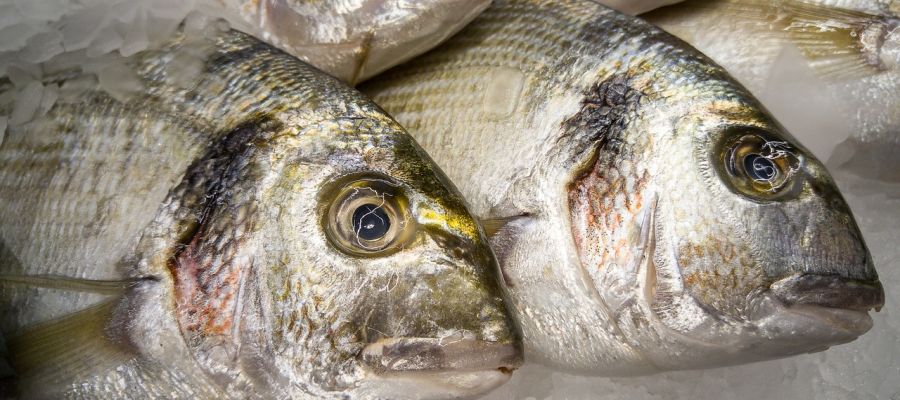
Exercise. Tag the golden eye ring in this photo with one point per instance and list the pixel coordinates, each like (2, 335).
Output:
(367, 216)
(759, 165)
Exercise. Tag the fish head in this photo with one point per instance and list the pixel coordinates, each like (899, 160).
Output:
(357, 270)
(712, 236)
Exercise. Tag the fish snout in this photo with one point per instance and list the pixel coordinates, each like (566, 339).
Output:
(411, 354)
(810, 312)
(831, 291)
(437, 368)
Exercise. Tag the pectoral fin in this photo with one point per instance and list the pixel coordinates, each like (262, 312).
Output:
(51, 355)
(493, 225)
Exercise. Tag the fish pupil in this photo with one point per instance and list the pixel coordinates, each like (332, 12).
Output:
(759, 168)
(370, 222)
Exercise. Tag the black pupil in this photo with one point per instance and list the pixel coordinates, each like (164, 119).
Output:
(759, 168)
(370, 222)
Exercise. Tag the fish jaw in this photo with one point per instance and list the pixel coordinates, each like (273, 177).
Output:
(438, 367)
(820, 310)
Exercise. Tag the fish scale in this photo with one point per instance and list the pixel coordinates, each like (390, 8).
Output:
(620, 172)
(156, 233)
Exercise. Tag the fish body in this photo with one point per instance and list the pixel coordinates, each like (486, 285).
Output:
(647, 213)
(353, 40)
(252, 229)
(845, 63)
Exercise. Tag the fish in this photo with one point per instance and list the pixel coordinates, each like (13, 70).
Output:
(845, 63)
(647, 213)
(352, 40)
(226, 221)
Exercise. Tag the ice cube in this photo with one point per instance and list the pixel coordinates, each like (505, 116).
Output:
(9, 15)
(42, 47)
(48, 98)
(120, 81)
(107, 41)
(3, 122)
(44, 10)
(81, 27)
(14, 37)
(135, 37)
(27, 102)
(22, 75)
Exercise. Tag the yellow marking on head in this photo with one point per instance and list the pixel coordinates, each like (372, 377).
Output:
(462, 224)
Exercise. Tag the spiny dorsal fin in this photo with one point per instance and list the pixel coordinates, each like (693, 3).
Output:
(51, 355)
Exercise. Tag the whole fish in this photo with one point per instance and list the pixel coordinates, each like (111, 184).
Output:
(844, 63)
(647, 213)
(245, 227)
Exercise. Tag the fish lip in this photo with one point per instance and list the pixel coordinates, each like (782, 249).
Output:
(415, 354)
(829, 291)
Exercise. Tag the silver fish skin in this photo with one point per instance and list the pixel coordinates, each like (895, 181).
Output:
(646, 211)
(352, 40)
(845, 63)
(254, 229)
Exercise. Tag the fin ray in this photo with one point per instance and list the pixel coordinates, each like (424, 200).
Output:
(68, 283)
(493, 225)
(66, 350)
(838, 43)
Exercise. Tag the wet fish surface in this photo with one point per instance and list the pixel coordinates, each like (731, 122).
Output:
(353, 40)
(229, 222)
(841, 57)
(647, 213)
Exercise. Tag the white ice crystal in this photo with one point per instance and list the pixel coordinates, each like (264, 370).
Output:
(27, 103)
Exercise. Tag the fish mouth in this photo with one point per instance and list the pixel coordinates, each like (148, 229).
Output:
(410, 354)
(437, 368)
(829, 291)
(810, 312)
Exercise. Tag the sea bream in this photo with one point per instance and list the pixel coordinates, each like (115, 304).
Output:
(225, 221)
(648, 214)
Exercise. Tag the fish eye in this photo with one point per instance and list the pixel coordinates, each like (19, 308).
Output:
(759, 165)
(367, 216)
(759, 168)
(370, 222)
